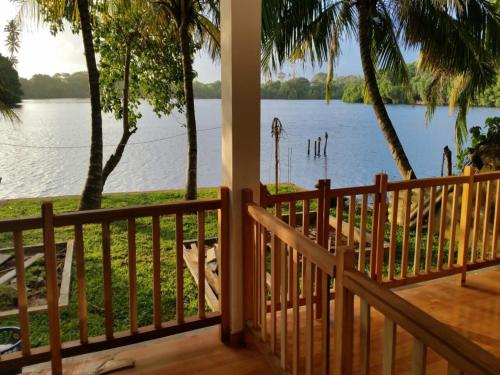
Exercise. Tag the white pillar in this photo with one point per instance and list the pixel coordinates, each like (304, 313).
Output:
(241, 46)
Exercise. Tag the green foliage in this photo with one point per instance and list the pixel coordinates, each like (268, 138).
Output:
(152, 57)
(479, 135)
(353, 93)
(10, 87)
(60, 85)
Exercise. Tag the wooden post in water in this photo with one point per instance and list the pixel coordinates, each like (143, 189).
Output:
(309, 147)
(326, 143)
(319, 146)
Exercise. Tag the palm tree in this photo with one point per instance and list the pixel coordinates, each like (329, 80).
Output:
(79, 11)
(92, 192)
(459, 38)
(13, 41)
(196, 23)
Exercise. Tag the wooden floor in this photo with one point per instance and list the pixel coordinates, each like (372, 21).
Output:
(473, 310)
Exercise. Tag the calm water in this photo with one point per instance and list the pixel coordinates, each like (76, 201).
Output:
(356, 148)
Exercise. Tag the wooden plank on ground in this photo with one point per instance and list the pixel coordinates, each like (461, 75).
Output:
(357, 233)
(191, 259)
(11, 274)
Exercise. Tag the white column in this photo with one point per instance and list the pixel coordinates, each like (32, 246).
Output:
(241, 46)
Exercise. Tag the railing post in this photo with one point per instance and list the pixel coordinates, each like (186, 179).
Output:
(248, 274)
(49, 246)
(223, 223)
(322, 222)
(465, 219)
(344, 315)
(382, 213)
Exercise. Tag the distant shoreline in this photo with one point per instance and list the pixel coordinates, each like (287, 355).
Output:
(304, 99)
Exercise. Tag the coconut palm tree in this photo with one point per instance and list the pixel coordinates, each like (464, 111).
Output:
(456, 38)
(196, 24)
(13, 41)
(78, 12)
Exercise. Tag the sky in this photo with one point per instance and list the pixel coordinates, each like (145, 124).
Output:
(43, 53)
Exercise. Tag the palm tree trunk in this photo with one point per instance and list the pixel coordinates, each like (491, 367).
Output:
(92, 192)
(115, 158)
(187, 67)
(385, 122)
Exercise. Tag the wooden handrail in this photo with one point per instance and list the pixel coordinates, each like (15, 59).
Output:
(461, 352)
(110, 214)
(356, 190)
(311, 250)
(488, 176)
(292, 196)
(426, 182)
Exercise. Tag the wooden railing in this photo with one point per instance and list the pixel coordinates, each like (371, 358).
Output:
(275, 249)
(49, 221)
(292, 260)
(407, 231)
(461, 354)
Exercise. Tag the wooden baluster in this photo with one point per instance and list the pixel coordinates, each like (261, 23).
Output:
(352, 220)
(477, 222)
(465, 210)
(107, 273)
(442, 226)
(201, 264)
(394, 227)
(418, 233)
(308, 286)
(306, 217)
(257, 273)
(389, 356)
(157, 273)
(276, 269)
(344, 315)
(283, 305)
(486, 224)
(81, 286)
(418, 357)
(453, 227)
(322, 213)
(132, 275)
(339, 221)
(364, 341)
(362, 234)
(325, 326)
(22, 298)
(295, 312)
(305, 231)
(274, 296)
(263, 296)
(52, 289)
(496, 223)
(380, 250)
(179, 267)
(292, 214)
(375, 231)
(430, 230)
(406, 235)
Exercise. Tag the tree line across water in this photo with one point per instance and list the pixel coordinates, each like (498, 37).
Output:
(349, 89)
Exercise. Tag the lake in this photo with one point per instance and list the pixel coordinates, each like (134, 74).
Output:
(47, 154)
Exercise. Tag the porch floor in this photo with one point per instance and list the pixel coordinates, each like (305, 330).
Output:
(473, 310)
